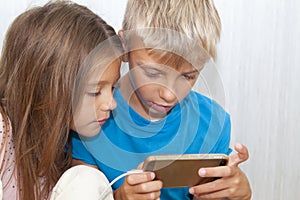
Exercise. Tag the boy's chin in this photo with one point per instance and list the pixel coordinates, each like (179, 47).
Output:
(157, 115)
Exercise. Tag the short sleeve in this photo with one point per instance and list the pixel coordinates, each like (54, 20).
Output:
(217, 137)
(224, 141)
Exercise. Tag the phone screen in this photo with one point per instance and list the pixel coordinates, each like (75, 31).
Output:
(183, 171)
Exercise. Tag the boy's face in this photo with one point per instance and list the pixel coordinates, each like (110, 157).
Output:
(97, 100)
(160, 82)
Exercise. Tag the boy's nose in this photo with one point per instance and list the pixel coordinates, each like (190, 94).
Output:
(167, 95)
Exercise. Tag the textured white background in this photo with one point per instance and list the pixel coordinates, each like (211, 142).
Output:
(257, 62)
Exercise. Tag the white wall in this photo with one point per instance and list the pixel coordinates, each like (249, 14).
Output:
(111, 11)
(259, 60)
(258, 57)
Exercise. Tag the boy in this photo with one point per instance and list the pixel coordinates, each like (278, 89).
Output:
(166, 43)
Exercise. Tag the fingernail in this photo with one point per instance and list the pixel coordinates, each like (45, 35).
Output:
(239, 146)
(152, 175)
(202, 172)
(191, 191)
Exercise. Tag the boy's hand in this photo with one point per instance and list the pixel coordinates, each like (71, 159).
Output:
(233, 185)
(139, 186)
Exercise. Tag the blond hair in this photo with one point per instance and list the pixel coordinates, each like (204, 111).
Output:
(41, 58)
(196, 19)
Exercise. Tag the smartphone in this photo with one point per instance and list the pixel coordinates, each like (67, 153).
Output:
(181, 170)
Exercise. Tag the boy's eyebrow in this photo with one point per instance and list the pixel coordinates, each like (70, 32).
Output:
(157, 68)
(141, 63)
(151, 66)
(191, 72)
(161, 69)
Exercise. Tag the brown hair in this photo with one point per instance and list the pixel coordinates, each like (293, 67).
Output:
(42, 54)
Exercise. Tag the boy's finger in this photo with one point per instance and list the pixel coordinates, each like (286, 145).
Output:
(241, 156)
(222, 171)
(138, 178)
(140, 166)
(207, 188)
(149, 187)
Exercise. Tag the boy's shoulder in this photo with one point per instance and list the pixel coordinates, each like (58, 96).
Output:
(205, 105)
(203, 100)
(201, 97)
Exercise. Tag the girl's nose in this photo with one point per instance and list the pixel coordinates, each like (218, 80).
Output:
(109, 105)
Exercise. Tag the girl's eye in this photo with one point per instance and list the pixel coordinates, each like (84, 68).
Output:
(94, 94)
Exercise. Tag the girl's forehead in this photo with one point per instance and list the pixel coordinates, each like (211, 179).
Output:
(102, 72)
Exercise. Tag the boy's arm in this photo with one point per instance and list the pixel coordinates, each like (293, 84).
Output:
(139, 186)
(234, 183)
(136, 186)
(76, 162)
(222, 145)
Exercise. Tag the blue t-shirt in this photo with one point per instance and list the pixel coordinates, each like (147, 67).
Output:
(195, 125)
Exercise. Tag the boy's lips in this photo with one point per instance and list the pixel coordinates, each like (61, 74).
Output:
(159, 107)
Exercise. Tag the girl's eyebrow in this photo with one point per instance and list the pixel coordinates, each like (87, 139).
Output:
(100, 83)
(96, 84)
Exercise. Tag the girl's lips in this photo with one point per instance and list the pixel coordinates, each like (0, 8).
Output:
(101, 122)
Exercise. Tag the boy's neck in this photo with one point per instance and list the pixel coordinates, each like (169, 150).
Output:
(126, 87)
(130, 96)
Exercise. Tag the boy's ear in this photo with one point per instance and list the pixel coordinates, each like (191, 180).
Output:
(125, 55)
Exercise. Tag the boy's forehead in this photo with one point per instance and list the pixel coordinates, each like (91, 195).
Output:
(148, 56)
(167, 47)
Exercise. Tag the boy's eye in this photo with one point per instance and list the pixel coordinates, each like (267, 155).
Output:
(189, 77)
(152, 73)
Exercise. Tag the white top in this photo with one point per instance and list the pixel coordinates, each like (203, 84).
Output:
(80, 182)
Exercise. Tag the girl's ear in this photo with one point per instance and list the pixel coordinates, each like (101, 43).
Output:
(125, 55)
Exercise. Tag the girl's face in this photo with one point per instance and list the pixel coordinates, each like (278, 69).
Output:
(159, 85)
(97, 101)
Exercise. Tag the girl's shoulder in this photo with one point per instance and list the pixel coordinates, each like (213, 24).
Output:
(5, 129)
(7, 159)
(6, 139)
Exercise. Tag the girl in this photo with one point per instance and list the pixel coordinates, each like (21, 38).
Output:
(58, 67)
